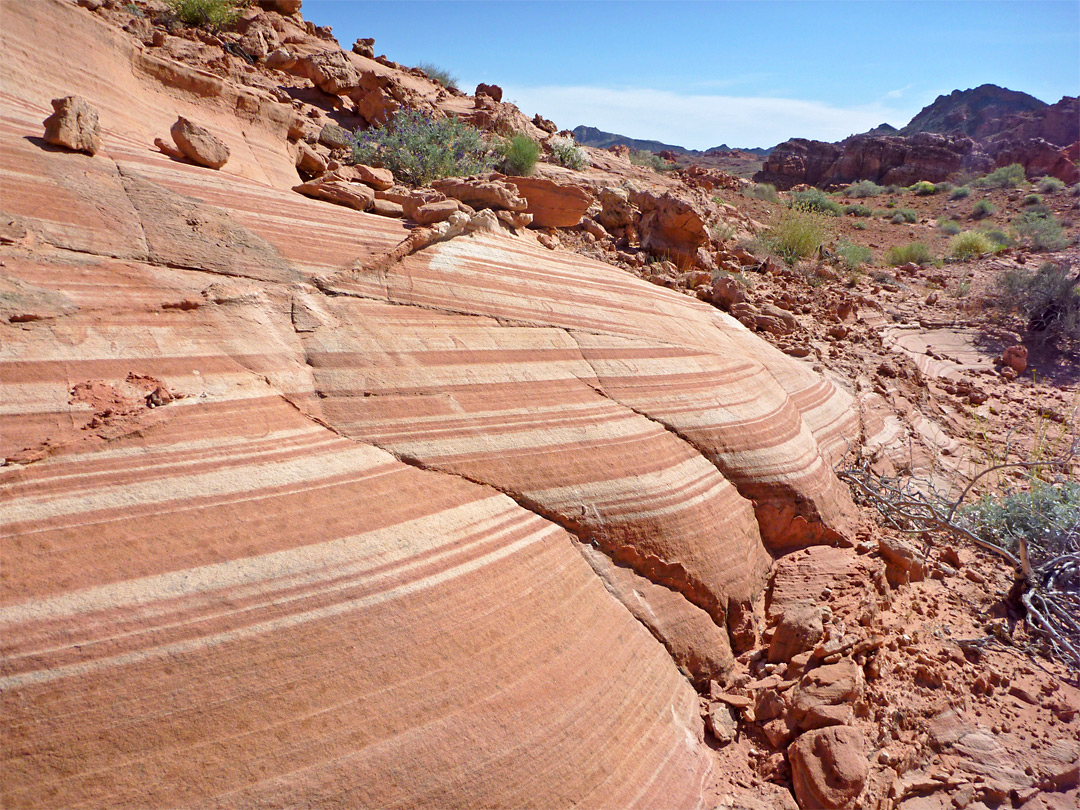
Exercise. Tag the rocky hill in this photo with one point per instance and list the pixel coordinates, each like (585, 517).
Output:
(321, 489)
(977, 113)
(968, 131)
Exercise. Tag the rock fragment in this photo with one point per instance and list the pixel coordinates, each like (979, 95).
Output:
(73, 125)
(198, 144)
(829, 768)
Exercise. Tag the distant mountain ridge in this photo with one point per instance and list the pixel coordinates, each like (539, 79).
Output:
(599, 139)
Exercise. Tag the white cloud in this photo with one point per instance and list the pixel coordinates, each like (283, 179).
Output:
(699, 121)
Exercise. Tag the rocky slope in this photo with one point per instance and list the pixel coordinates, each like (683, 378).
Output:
(305, 505)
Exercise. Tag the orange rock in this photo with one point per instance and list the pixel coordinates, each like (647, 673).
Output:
(552, 204)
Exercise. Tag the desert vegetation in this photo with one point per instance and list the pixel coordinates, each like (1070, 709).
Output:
(567, 153)
(440, 75)
(213, 15)
(519, 155)
(419, 148)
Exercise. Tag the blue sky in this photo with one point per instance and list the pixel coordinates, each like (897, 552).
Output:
(699, 74)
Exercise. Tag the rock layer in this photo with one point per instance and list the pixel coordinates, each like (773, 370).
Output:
(292, 517)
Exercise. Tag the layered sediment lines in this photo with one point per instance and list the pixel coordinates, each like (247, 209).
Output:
(458, 533)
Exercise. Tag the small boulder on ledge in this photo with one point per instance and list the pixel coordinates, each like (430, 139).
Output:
(73, 125)
(198, 144)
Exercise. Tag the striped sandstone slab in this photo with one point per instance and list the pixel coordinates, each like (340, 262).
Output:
(191, 618)
(443, 540)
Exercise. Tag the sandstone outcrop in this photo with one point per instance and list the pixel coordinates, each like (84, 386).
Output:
(466, 504)
(73, 125)
(551, 204)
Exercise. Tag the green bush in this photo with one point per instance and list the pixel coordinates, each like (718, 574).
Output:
(982, 209)
(213, 15)
(998, 237)
(1051, 185)
(864, 188)
(944, 187)
(905, 215)
(948, 226)
(814, 199)
(969, 244)
(960, 192)
(642, 157)
(1049, 298)
(796, 235)
(1040, 230)
(568, 154)
(856, 210)
(1006, 177)
(1032, 199)
(1046, 516)
(915, 252)
(762, 191)
(519, 155)
(418, 148)
(440, 75)
(924, 189)
(852, 255)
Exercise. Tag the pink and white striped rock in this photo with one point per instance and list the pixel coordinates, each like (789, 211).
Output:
(441, 538)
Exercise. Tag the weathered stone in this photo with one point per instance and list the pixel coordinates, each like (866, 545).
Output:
(721, 722)
(73, 125)
(199, 144)
(352, 195)
(552, 204)
(335, 137)
(364, 47)
(829, 685)
(308, 160)
(828, 768)
(481, 193)
(799, 630)
(430, 213)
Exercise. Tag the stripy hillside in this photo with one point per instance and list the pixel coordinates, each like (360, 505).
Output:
(292, 519)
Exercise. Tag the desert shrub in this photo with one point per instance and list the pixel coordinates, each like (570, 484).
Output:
(519, 155)
(568, 154)
(969, 244)
(853, 255)
(960, 193)
(762, 191)
(418, 148)
(1040, 230)
(1051, 185)
(1046, 516)
(948, 226)
(944, 187)
(1049, 298)
(814, 199)
(915, 252)
(1006, 177)
(796, 235)
(924, 189)
(905, 215)
(1074, 190)
(721, 231)
(856, 210)
(1032, 199)
(998, 237)
(859, 225)
(982, 209)
(440, 75)
(864, 188)
(650, 160)
(214, 15)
